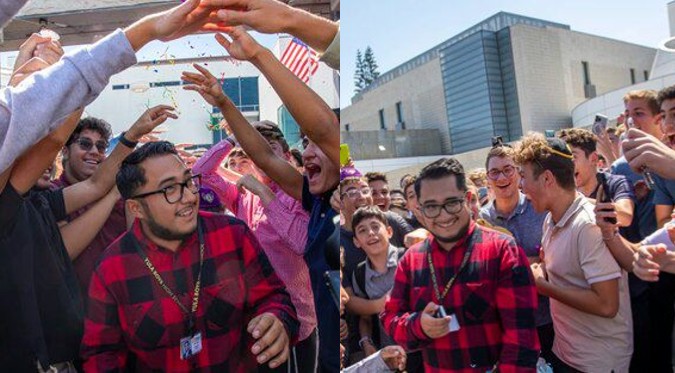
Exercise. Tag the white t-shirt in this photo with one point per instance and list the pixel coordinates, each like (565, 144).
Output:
(576, 257)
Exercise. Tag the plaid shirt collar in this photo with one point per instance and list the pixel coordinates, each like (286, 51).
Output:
(147, 243)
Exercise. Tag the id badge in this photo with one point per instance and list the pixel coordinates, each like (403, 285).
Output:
(454, 324)
(190, 346)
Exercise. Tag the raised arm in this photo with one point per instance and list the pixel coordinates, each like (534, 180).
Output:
(314, 116)
(253, 143)
(8, 8)
(79, 233)
(272, 17)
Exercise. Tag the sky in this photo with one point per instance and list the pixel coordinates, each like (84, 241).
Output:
(398, 30)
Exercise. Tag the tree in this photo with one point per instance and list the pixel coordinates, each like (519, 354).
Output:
(370, 66)
(360, 73)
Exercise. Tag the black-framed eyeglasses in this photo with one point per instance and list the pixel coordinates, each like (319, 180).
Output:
(452, 207)
(174, 192)
(507, 171)
(86, 144)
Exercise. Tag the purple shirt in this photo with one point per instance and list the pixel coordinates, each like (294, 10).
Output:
(281, 229)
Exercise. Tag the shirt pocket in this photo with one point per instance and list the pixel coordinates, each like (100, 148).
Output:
(477, 300)
(144, 326)
(224, 307)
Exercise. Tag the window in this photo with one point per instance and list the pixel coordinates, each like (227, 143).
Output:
(243, 92)
(587, 74)
(399, 114)
(382, 124)
(632, 76)
(347, 127)
(288, 125)
(646, 75)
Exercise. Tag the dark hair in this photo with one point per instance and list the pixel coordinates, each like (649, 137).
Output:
(297, 155)
(272, 132)
(500, 151)
(93, 124)
(131, 175)
(442, 168)
(667, 93)
(407, 182)
(236, 152)
(376, 176)
(580, 138)
(367, 212)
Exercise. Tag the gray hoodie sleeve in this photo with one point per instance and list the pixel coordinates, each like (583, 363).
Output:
(8, 8)
(39, 104)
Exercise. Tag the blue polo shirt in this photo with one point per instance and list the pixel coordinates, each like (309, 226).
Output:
(526, 226)
(322, 237)
(664, 191)
(644, 217)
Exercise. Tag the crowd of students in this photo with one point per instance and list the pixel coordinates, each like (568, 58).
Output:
(129, 257)
(558, 255)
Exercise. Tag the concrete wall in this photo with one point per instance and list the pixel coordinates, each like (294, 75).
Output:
(420, 92)
(549, 71)
(391, 144)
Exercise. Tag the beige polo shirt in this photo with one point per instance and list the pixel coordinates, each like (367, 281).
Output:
(576, 257)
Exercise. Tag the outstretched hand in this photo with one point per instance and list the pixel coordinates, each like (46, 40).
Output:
(149, 120)
(242, 46)
(206, 85)
(266, 16)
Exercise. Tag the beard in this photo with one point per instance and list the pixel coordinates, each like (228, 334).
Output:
(163, 232)
(454, 238)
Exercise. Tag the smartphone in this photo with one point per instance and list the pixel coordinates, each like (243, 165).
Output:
(599, 125)
(344, 154)
(602, 181)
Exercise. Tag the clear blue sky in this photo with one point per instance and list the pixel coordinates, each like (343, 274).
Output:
(398, 30)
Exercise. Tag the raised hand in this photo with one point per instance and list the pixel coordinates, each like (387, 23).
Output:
(646, 262)
(642, 150)
(206, 85)
(250, 183)
(148, 121)
(267, 16)
(242, 47)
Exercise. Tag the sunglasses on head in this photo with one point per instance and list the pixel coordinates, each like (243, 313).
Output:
(86, 144)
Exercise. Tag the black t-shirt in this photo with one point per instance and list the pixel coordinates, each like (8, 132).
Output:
(41, 316)
(399, 227)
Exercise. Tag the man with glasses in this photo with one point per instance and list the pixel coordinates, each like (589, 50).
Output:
(590, 305)
(464, 296)
(182, 289)
(513, 211)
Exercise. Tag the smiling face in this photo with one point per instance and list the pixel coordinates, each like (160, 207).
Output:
(322, 174)
(446, 227)
(380, 192)
(163, 220)
(668, 122)
(372, 236)
(503, 177)
(82, 163)
(643, 118)
(585, 167)
(354, 194)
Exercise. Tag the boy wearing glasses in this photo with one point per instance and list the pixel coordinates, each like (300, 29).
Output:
(183, 288)
(590, 305)
(513, 211)
(465, 296)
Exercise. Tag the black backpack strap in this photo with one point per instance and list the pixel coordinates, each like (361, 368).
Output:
(360, 274)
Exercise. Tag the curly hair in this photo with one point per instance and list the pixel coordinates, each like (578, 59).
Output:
(544, 155)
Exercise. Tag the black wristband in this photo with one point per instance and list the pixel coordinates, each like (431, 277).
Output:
(126, 142)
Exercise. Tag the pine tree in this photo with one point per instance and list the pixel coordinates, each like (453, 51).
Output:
(370, 66)
(359, 74)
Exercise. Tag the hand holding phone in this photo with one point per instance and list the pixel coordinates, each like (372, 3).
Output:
(603, 193)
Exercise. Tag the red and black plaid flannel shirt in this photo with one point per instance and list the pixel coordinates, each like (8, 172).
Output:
(130, 314)
(494, 300)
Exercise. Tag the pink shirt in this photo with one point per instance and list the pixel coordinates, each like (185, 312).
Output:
(281, 229)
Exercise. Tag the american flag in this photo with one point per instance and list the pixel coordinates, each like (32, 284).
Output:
(300, 59)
